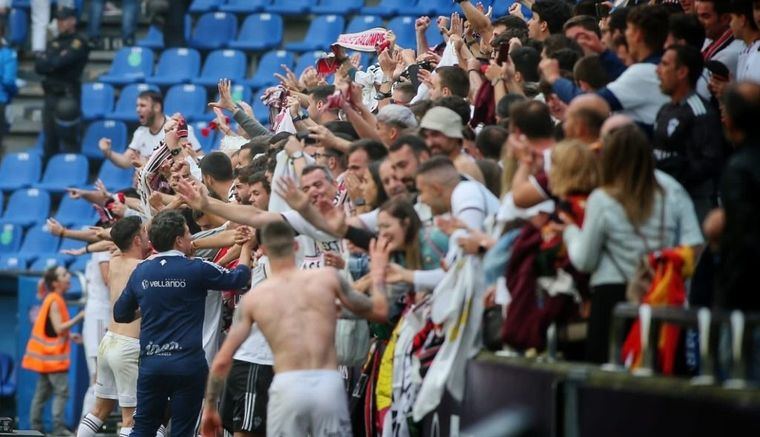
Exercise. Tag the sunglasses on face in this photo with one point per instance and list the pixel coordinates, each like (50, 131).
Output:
(175, 152)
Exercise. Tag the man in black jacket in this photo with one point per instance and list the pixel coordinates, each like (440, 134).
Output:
(62, 65)
(688, 143)
(740, 239)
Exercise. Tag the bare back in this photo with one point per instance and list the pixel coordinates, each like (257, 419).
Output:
(297, 313)
(120, 268)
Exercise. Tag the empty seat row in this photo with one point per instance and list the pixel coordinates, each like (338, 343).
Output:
(386, 8)
(37, 249)
(264, 31)
(20, 172)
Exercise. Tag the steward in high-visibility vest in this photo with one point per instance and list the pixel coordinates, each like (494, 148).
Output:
(47, 351)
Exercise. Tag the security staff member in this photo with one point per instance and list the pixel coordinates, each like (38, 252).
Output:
(62, 65)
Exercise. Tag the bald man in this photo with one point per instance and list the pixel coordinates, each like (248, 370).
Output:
(585, 116)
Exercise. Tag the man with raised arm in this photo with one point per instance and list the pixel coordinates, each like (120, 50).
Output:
(169, 291)
(307, 395)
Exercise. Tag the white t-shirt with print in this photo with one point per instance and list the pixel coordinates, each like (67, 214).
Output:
(145, 142)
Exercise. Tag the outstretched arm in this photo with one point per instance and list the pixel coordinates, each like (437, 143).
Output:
(243, 214)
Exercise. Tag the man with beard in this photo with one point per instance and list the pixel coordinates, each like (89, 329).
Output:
(442, 129)
(147, 137)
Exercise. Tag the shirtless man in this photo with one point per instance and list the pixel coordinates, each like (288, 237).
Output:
(295, 310)
(119, 350)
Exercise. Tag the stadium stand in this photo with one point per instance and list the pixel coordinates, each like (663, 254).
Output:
(323, 31)
(270, 64)
(226, 63)
(188, 99)
(213, 30)
(19, 170)
(177, 65)
(341, 7)
(27, 207)
(115, 178)
(64, 170)
(131, 65)
(245, 6)
(259, 32)
(75, 212)
(125, 105)
(113, 129)
(97, 100)
(292, 7)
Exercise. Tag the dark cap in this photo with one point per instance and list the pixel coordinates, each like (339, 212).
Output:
(65, 12)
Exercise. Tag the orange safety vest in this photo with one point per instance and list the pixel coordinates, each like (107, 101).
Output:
(48, 354)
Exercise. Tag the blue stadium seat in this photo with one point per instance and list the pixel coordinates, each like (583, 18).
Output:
(13, 262)
(291, 7)
(230, 64)
(445, 7)
(208, 142)
(213, 30)
(125, 106)
(2, 201)
(433, 36)
(307, 60)
(387, 8)
(403, 27)
(199, 6)
(27, 207)
(7, 376)
(259, 32)
(75, 212)
(18, 27)
(270, 64)
(322, 33)
(38, 242)
(114, 177)
(154, 39)
(342, 7)
(51, 260)
(501, 8)
(131, 64)
(178, 65)
(10, 238)
(97, 100)
(19, 170)
(115, 130)
(260, 110)
(63, 171)
(190, 100)
(245, 6)
(360, 23)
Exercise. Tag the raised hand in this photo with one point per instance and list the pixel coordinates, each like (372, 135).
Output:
(74, 252)
(309, 78)
(295, 198)
(225, 96)
(104, 144)
(421, 24)
(243, 235)
(54, 227)
(196, 199)
(379, 258)
(289, 80)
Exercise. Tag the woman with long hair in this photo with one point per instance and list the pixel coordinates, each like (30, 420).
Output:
(635, 210)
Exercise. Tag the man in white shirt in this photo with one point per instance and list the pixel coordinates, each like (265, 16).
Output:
(745, 28)
(720, 44)
(147, 137)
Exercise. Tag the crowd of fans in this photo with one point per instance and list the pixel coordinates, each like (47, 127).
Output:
(526, 169)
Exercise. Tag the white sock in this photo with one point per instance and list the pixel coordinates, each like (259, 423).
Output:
(161, 431)
(125, 431)
(89, 425)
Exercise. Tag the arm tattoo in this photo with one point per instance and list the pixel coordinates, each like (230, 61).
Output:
(357, 302)
(214, 389)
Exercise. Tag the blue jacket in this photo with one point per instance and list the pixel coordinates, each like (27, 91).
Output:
(170, 290)
(8, 72)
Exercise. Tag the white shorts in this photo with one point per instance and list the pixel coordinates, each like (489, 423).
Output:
(308, 402)
(117, 369)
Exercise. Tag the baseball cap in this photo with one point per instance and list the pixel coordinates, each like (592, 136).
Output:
(398, 114)
(443, 120)
(65, 12)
